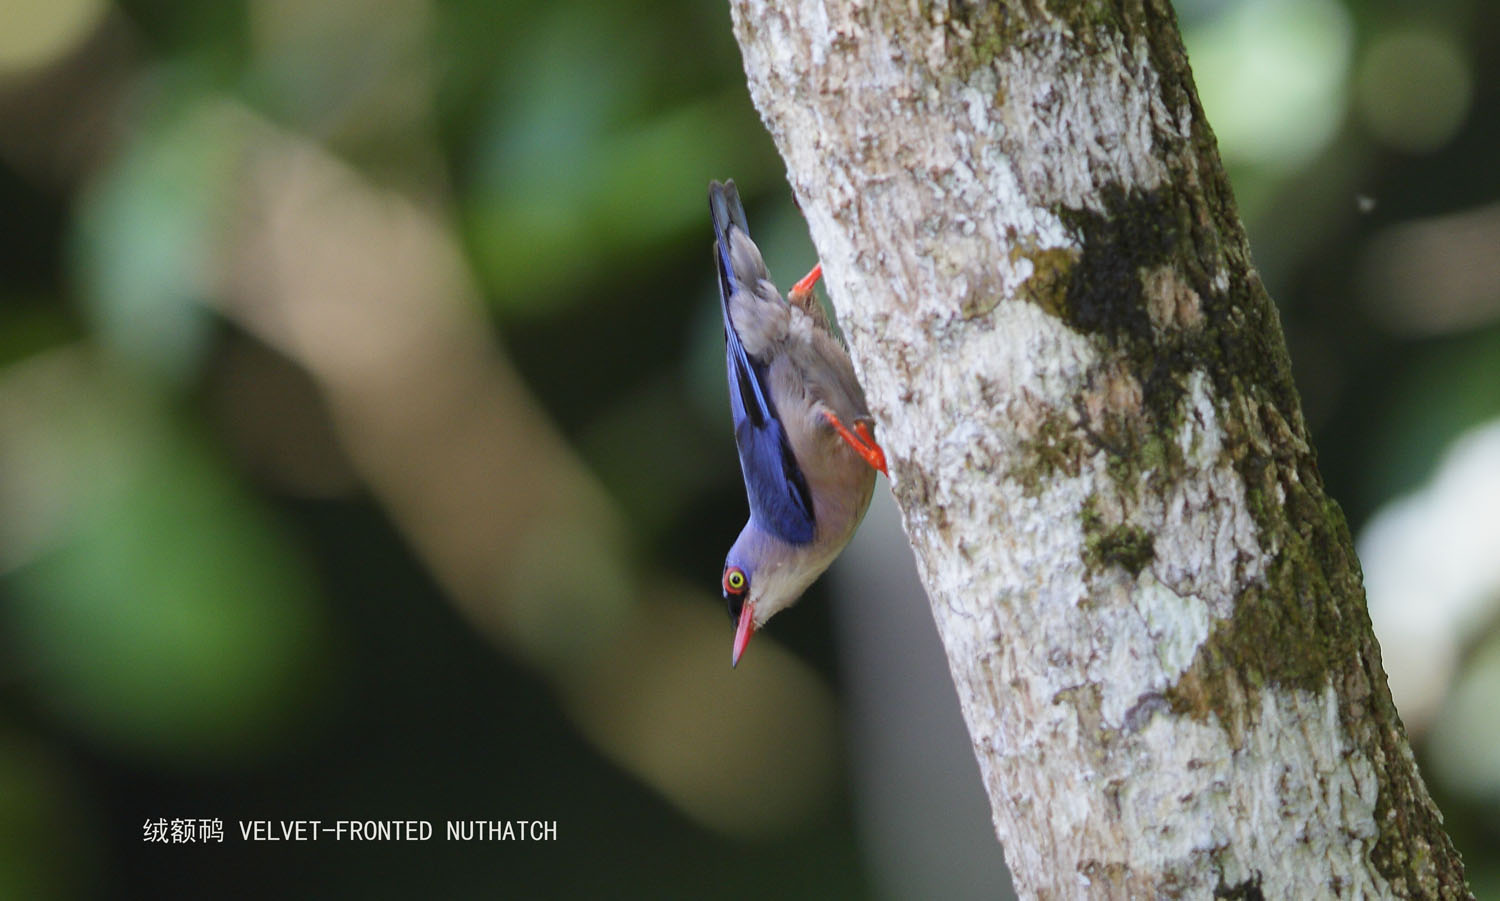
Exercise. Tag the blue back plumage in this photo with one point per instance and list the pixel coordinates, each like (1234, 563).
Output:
(774, 484)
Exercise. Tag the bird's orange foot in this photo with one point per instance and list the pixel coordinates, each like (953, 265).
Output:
(863, 443)
(803, 289)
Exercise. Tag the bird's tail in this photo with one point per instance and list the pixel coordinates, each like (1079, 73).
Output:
(724, 204)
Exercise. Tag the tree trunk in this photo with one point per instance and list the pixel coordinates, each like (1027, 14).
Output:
(1151, 608)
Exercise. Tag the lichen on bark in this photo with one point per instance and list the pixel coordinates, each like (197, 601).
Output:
(1129, 547)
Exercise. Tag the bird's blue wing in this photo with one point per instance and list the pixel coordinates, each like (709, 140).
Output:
(774, 484)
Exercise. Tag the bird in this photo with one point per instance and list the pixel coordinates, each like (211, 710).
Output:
(801, 425)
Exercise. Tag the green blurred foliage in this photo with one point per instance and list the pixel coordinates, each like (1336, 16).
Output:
(147, 234)
(190, 636)
(165, 614)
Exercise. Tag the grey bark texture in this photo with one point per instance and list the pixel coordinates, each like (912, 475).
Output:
(1152, 610)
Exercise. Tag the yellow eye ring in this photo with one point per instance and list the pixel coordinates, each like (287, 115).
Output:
(734, 580)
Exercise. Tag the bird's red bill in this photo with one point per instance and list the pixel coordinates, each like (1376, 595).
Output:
(742, 632)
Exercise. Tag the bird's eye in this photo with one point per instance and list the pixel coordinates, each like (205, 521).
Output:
(734, 580)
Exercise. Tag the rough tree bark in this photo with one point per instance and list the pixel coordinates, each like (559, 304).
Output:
(1152, 610)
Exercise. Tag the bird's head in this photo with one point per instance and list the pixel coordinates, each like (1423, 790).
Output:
(737, 593)
(762, 577)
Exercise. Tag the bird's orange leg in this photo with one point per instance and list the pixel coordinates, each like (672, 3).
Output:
(800, 291)
(863, 443)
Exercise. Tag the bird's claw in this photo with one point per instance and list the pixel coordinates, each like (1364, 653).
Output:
(863, 443)
(802, 290)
